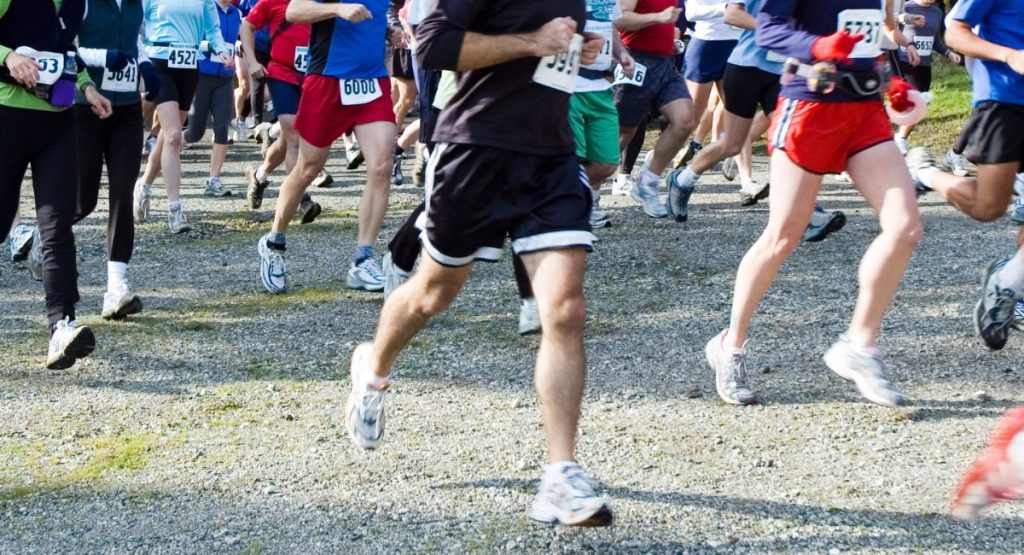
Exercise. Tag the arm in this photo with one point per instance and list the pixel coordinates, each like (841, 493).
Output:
(632, 21)
(4, 51)
(737, 16)
(310, 11)
(704, 10)
(212, 31)
(775, 32)
(247, 33)
(960, 37)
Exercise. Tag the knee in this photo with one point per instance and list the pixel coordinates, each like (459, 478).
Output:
(600, 172)
(731, 147)
(220, 135)
(434, 299)
(173, 138)
(783, 243)
(564, 315)
(378, 170)
(907, 234)
(681, 126)
(308, 172)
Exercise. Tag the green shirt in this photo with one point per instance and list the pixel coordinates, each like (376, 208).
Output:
(16, 96)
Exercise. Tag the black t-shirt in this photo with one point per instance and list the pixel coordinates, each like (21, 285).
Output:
(498, 106)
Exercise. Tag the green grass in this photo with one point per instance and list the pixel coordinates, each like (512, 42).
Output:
(120, 452)
(947, 111)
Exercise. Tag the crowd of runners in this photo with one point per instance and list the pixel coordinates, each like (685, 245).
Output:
(518, 113)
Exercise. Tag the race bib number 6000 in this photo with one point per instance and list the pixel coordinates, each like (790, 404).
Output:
(355, 92)
(867, 23)
(183, 58)
(559, 71)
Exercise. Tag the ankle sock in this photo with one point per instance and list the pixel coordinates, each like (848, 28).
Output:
(261, 174)
(276, 241)
(117, 273)
(925, 175)
(275, 130)
(363, 252)
(1012, 275)
(174, 206)
(687, 179)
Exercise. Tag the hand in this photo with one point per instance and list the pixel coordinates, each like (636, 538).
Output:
(256, 69)
(397, 37)
(1016, 61)
(954, 57)
(553, 37)
(117, 60)
(151, 79)
(835, 47)
(628, 64)
(899, 95)
(99, 103)
(227, 59)
(24, 69)
(592, 45)
(912, 55)
(354, 12)
(915, 20)
(669, 15)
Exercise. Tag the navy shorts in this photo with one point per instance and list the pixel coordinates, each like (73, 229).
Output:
(706, 59)
(478, 195)
(285, 96)
(662, 85)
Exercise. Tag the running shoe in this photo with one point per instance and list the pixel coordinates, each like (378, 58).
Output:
(364, 413)
(687, 154)
(241, 131)
(599, 218)
(323, 180)
(120, 303)
(268, 106)
(956, 163)
(919, 158)
(367, 276)
(397, 178)
(866, 371)
(272, 269)
(355, 157)
(998, 475)
(623, 185)
(678, 196)
(1017, 215)
(729, 168)
(177, 222)
(393, 275)
(148, 145)
(68, 344)
(185, 146)
(309, 210)
(646, 164)
(35, 256)
(730, 372)
(21, 242)
(647, 195)
(262, 132)
(140, 201)
(529, 318)
(844, 177)
(254, 192)
(215, 188)
(752, 193)
(902, 143)
(1018, 315)
(993, 314)
(569, 496)
(814, 233)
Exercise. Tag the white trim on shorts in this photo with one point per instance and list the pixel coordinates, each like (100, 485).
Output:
(789, 106)
(553, 240)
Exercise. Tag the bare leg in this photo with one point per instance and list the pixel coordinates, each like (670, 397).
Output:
(310, 161)
(745, 158)
(376, 141)
(217, 156)
(735, 134)
(680, 123)
(406, 97)
(170, 153)
(984, 198)
(410, 135)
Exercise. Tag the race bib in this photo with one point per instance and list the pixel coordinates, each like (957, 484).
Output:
(229, 48)
(126, 80)
(559, 71)
(301, 61)
(924, 45)
(355, 92)
(774, 56)
(867, 23)
(51, 65)
(183, 58)
(638, 75)
(604, 57)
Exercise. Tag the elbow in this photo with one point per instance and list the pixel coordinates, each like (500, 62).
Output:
(294, 13)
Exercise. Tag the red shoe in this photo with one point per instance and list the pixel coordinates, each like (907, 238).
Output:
(998, 475)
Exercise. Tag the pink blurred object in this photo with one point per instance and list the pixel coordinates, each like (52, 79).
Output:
(912, 116)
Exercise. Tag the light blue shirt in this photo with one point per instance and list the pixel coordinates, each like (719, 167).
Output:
(747, 53)
(184, 23)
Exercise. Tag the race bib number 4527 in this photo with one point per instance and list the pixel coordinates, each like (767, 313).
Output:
(867, 23)
(559, 71)
(183, 58)
(355, 92)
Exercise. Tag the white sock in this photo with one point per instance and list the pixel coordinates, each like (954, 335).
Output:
(275, 130)
(596, 197)
(819, 217)
(925, 175)
(687, 178)
(261, 174)
(1012, 275)
(117, 273)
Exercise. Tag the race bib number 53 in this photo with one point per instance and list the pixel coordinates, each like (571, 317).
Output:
(355, 92)
(183, 58)
(867, 23)
(559, 71)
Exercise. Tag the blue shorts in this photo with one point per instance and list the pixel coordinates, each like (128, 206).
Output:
(285, 97)
(706, 59)
(663, 84)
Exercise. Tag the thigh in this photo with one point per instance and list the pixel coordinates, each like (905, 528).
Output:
(741, 98)
(879, 173)
(678, 112)
(55, 167)
(794, 194)
(169, 116)
(556, 274)
(16, 143)
(376, 141)
(92, 141)
(122, 153)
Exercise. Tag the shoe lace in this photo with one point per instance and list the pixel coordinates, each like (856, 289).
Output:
(370, 266)
(738, 371)
(578, 483)
(372, 406)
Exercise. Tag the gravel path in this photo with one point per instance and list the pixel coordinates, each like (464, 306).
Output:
(213, 421)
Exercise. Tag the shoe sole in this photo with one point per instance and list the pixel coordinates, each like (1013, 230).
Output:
(357, 355)
(21, 253)
(81, 346)
(643, 206)
(270, 288)
(311, 215)
(601, 517)
(356, 162)
(133, 307)
(362, 287)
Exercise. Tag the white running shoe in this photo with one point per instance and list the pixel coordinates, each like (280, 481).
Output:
(957, 163)
(215, 187)
(647, 195)
(273, 273)
(120, 303)
(623, 185)
(393, 275)
(730, 372)
(902, 143)
(364, 412)
(21, 242)
(140, 201)
(367, 276)
(599, 218)
(177, 222)
(729, 168)
(567, 495)
(866, 371)
(529, 318)
(68, 344)
(35, 256)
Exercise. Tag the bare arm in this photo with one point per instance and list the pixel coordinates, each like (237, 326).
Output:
(632, 21)
(960, 37)
(308, 11)
(737, 16)
(480, 51)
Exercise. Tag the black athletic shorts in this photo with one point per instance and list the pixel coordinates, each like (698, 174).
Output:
(747, 87)
(919, 77)
(477, 195)
(401, 64)
(992, 135)
(176, 85)
(662, 84)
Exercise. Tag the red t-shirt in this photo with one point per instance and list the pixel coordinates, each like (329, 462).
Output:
(283, 53)
(658, 39)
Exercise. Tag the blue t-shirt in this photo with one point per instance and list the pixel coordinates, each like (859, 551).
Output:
(344, 50)
(747, 53)
(1000, 22)
(262, 35)
(230, 21)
